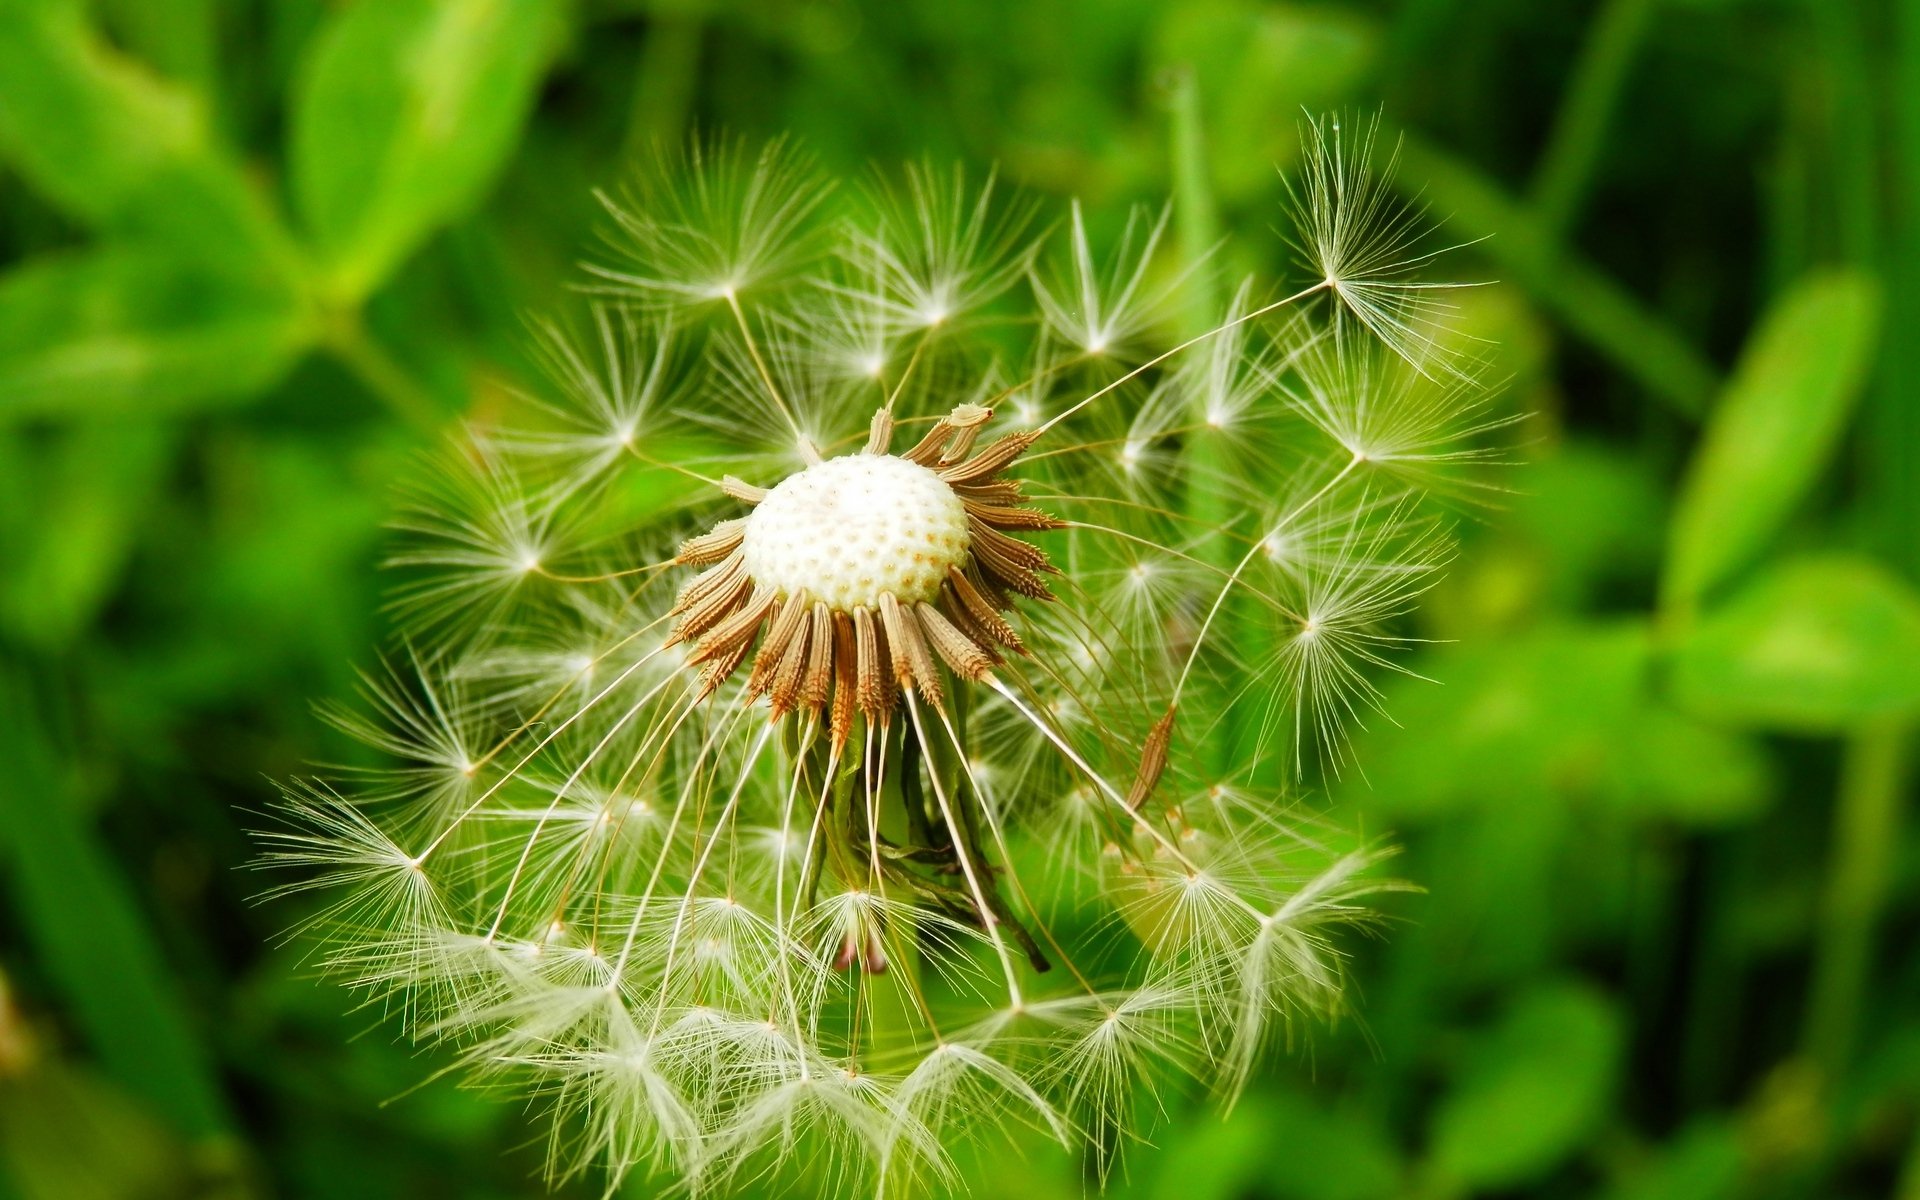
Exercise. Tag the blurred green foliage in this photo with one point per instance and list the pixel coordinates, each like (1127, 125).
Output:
(255, 254)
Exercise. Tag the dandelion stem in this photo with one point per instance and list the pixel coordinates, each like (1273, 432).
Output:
(783, 915)
(988, 917)
(893, 996)
(1040, 962)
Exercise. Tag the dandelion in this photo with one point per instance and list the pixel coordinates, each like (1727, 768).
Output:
(826, 729)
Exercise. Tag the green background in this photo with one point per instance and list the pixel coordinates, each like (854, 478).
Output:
(257, 255)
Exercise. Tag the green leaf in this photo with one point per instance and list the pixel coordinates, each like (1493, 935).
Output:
(123, 150)
(1533, 1089)
(1593, 517)
(66, 1135)
(73, 501)
(1329, 1156)
(123, 330)
(1542, 719)
(81, 917)
(1687, 772)
(1708, 1160)
(1525, 720)
(402, 117)
(1217, 1161)
(179, 37)
(1586, 523)
(1775, 428)
(1816, 645)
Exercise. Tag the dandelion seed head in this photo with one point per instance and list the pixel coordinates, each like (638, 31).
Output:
(759, 666)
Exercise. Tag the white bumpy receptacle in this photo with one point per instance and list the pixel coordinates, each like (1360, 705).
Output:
(849, 529)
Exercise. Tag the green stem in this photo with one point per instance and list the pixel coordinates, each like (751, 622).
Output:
(1893, 406)
(1851, 127)
(1208, 505)
(1651, 923)
(1565, 170)
(1416, 28)
(346, 338)
(1592, 306)
(891, 1007)
(1196, 221)
(1866, 828)
(1715, 966)
(664, 80)
(1908, 1187)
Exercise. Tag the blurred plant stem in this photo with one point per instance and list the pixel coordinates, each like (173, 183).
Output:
(1716, 962)
(1197, 226)
(1893, 412)
(1638, 341)
(1849, 123)
(664, 81)
(1909, 1186)
(1653, 930)
(1565, 169)
(1196, 220)
(1865, 831)
(346, 337)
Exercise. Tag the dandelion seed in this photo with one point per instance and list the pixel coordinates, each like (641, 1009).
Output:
(940, 248)
(1362, 242)
(709, 224)
(1101, 312)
